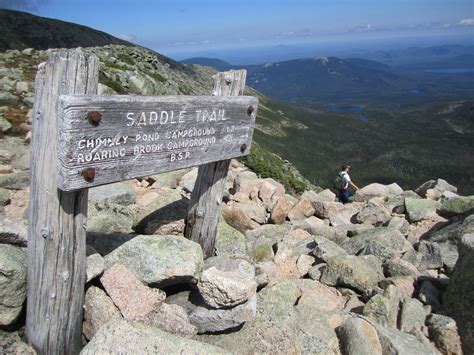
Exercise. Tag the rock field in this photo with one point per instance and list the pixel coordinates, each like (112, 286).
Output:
(392, 272)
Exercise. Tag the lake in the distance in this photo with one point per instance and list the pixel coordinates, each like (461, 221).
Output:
(350, 108)
(450, 71)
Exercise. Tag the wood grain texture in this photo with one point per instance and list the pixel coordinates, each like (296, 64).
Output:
(206, 198)
(57, 219)
(144, 135)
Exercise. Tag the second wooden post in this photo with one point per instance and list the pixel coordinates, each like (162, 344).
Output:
(206, 198)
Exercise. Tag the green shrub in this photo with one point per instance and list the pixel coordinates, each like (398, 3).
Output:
(157, 77)
(112, 84)
(126, 59)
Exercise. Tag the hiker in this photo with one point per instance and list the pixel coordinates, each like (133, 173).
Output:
(344, 182)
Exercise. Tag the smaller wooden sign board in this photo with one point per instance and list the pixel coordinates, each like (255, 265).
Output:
(104, 139)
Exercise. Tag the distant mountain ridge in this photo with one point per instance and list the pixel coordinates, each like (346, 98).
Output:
(20, 30)
(416, 55)
(215, 63)
(311, 80)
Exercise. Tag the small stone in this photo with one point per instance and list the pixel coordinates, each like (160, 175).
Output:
(8, 99)
(12, 232)
(161, 212)
(119, 193)
(15, 181)
(316, 271)
(238, 219)
(439, 185)
(356, 272)
(327, 209)
(375, 190)
(430, 295)
(399, 223)
(4, 197)
(5, 169)
(303, 264)
(394, 341)
(5, 156)
(458, 205)
(399, 268)
(405, 284)
(13, 265)
(383, 309)
(325, 249)
(374, 214)
(95, 266)
(430, 256)
(420, 209)
(433, 194)
(98, 310)
(168, 179)
(5, 126)
(359, 337)
(345, 216)
(29, 100)
(28, 51)
(269, 192)
(188, 180)
(384, 243)
(227, 282)
(354, 305)
(412, 316)
(302, 210)
(281, 209)
(216, 320)
(444, 332)
(22, 86)
(325, 195)
(173, 319)
(230, 242)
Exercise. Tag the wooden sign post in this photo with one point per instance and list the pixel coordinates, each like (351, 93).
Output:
(57, 219)
(81, 140)
(206, 198)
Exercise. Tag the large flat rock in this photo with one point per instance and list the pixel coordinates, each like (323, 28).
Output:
(122, 337)
(160, 260)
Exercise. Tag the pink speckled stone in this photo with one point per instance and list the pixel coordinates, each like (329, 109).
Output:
(133, 299)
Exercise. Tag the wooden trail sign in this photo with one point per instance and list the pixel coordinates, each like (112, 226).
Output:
(80, 140)
(103, 139)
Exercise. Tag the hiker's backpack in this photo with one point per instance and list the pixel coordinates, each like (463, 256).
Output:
(338, 182)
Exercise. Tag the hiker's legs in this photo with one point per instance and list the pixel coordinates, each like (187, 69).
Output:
(344, 195)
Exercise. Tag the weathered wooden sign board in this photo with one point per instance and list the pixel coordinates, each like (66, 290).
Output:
(103, 139)
(81, 140)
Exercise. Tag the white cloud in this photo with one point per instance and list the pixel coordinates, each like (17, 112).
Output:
(129, 37)
(467, 22)
(366, 28)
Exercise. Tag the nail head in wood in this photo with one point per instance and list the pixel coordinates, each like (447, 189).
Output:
(94, 117)
(250, 110)
(89, 174)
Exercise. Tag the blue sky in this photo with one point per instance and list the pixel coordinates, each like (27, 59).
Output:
(171, 27)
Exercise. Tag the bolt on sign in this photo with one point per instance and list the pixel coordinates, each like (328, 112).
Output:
(104, 139)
